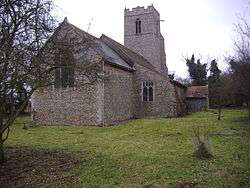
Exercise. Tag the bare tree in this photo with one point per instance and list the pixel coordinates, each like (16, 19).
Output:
(31, 56)
(240, 62)
(25, 25)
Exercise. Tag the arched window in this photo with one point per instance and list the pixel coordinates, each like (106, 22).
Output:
(145, 94)
(150, 94)
(147, 91)
(138, 26)
(64, 73)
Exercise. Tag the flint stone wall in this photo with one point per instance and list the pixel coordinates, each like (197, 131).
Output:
(118, 95)
(164, 103)
(116, 98)
(70, 106)
(78, 105)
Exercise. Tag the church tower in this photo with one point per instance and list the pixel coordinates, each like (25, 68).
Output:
(142, 35)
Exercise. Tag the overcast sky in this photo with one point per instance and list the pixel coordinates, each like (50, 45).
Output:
(202, 27)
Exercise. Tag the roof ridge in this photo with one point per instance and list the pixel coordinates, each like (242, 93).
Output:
(82, 31)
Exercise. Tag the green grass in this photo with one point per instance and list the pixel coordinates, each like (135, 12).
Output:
(159, 150)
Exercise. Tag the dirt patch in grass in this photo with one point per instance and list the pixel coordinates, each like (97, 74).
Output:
(185, 185)
(25, 167)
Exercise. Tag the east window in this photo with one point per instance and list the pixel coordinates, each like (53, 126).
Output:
(64, 76)
(64, 73)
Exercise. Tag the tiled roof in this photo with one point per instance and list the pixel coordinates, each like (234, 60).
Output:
(128, 55)
(111, 57)
(197, 92)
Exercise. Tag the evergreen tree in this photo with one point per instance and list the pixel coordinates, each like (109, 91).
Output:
(215, 87)
(197, 71)
(214, 70)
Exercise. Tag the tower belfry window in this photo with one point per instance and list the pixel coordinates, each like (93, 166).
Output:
(138, 26)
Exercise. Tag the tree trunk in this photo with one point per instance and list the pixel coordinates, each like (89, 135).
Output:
(219, 114)
(249, 110)
(1, 136)
(1, 149)
(219, 109)
(2, 158)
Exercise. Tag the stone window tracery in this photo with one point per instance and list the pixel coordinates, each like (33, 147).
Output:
(64, 73)
(147, 91)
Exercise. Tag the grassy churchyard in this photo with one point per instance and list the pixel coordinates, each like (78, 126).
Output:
(134, 154)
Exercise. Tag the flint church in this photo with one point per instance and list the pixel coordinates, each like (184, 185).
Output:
(134, 79)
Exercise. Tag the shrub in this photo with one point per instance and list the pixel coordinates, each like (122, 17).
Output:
(201, 144)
